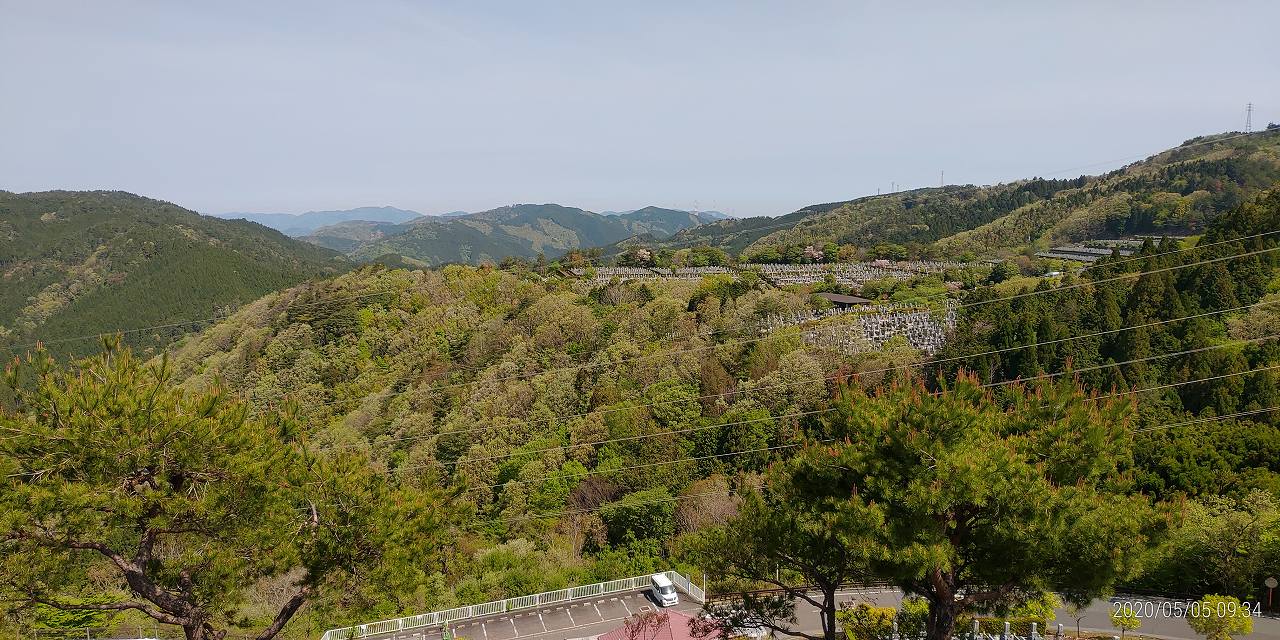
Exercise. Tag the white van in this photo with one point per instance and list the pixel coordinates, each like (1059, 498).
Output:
(664, 593)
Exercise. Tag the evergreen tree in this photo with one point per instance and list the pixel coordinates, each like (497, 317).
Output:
(109, 469)
(973, 506)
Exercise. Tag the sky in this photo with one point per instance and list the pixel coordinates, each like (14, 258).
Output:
(753, 108)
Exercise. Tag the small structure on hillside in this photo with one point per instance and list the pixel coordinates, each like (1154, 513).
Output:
(842, 301)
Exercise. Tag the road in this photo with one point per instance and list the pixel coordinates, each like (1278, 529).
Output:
(591, 617)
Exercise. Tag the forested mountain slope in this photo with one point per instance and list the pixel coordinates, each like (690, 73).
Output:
(593, 432)
(1175, 192)
(75, 263)
(523, 230)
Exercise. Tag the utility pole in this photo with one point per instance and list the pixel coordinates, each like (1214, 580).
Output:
(1248, 118)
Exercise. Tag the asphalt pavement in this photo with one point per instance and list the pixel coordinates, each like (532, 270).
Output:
(591, 617)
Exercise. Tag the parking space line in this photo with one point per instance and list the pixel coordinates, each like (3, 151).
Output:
(624, 604)
(542, 622)
(514, 629)
(593, 605)
(571, 620)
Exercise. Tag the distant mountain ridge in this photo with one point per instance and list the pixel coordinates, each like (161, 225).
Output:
(301, 224)
(1177, 191)
(77, 263)
(522, 230)
(711, 215)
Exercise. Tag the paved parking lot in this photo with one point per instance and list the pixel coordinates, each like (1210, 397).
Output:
(588, 618)
(577, 619)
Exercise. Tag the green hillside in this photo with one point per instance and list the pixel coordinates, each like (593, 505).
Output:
(1175, 192)
(523, 230)
(77, 263)
(524, 396)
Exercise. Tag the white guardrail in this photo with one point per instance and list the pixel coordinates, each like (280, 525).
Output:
(441, 618)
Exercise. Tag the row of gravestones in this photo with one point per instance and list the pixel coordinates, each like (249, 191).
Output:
(606, 274)
(850, 274)
(695, 272)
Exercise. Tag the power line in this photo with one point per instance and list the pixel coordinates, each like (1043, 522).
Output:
(819, 411)
(793, 445)
(669, 354)
(696, 458)
(1123, 276)
(606, 471)
(561, 513)
(1238, 414)
(1133, 258)
(330, 301)
(958, 307)
(558, 514)
(825, 379)
(642, 436)
(646, 465)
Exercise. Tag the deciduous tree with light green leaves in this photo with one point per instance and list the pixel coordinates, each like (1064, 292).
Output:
(1124, 619)
(119, 491)
(864, 621)
(1220, 618)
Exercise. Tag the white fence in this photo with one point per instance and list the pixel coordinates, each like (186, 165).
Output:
(441, 618)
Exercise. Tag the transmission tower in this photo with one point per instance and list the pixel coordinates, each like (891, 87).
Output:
(1248, 118)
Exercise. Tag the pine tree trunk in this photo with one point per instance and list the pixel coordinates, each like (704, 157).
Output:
(829, 613)
(942, 620)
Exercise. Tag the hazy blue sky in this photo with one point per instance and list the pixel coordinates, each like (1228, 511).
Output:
(752, 108)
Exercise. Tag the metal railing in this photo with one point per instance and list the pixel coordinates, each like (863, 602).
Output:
(441, 618)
